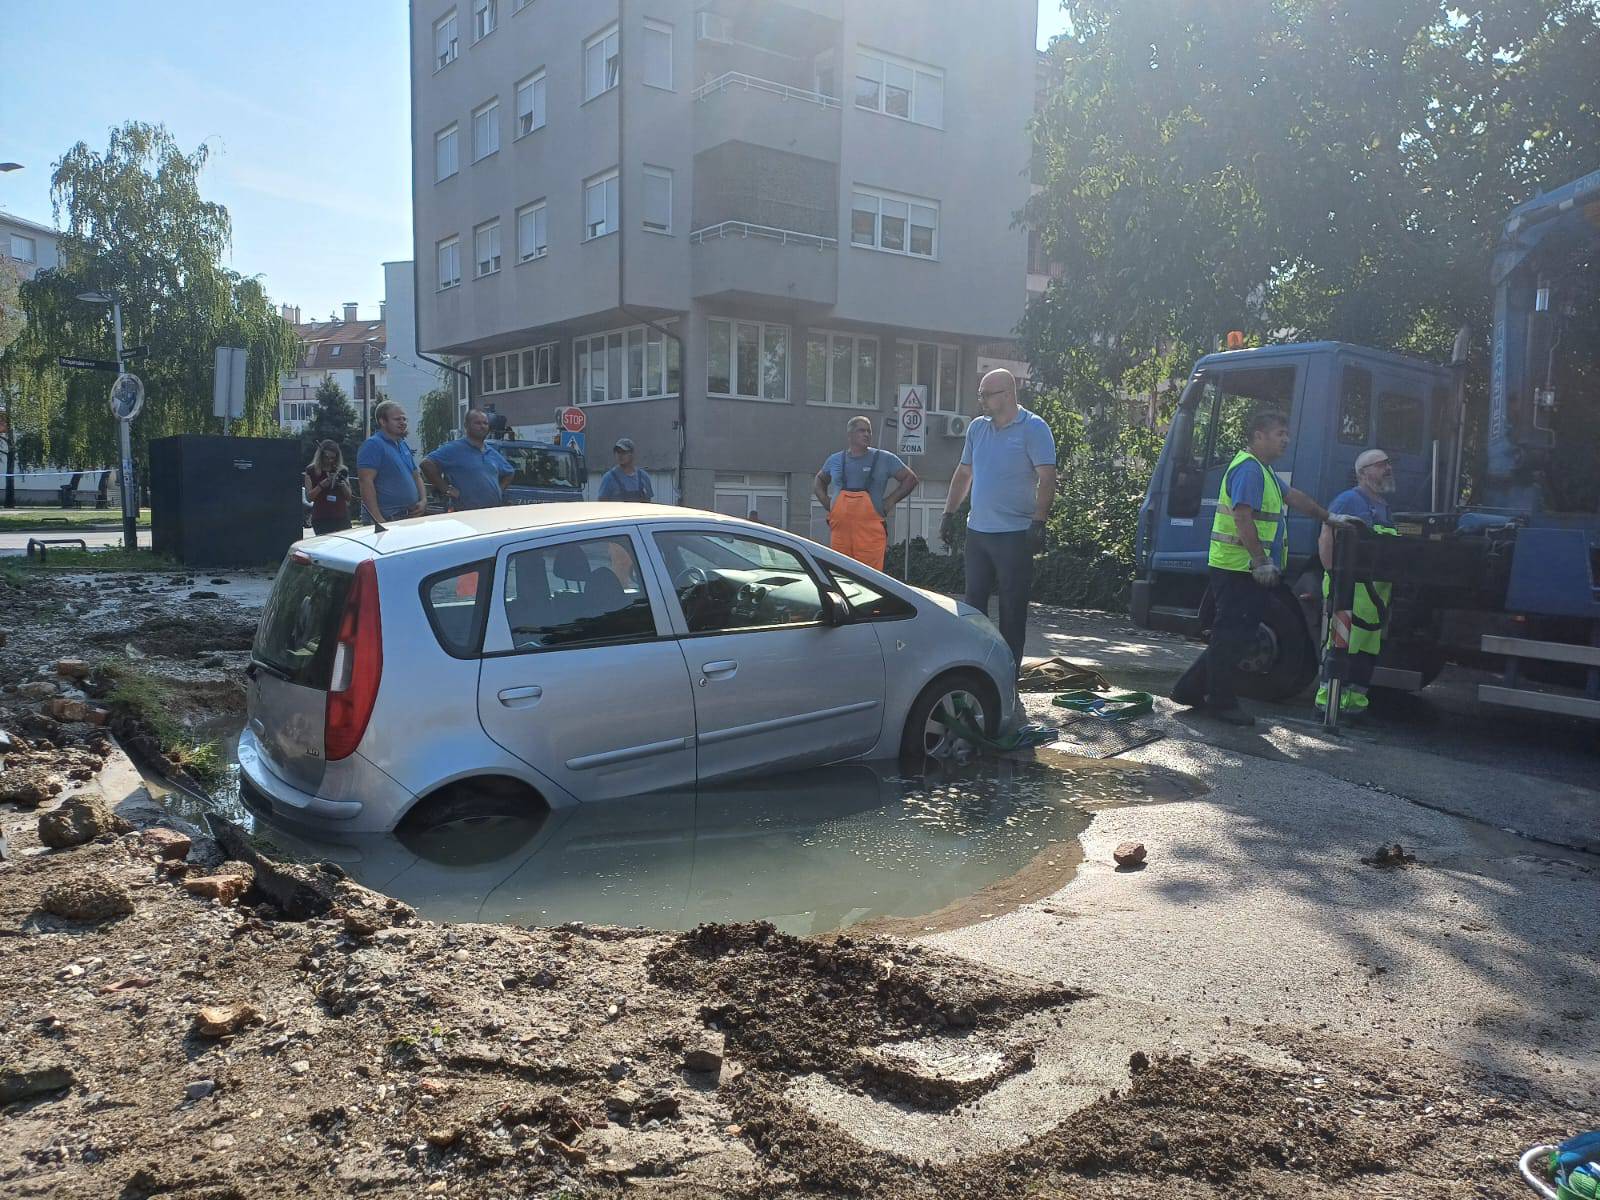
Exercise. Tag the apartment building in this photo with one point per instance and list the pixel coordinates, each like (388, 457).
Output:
(347, 350)
(30, 245)
(723, 227)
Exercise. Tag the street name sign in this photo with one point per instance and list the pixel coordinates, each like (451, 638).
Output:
(87, 364)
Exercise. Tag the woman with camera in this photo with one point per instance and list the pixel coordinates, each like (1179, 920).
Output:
(327, 484)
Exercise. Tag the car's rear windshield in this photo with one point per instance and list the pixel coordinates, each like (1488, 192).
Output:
(300, 626)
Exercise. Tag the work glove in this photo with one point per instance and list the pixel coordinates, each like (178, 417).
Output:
(947, 529)
(1266, 573)
(1345, 521)
(1036, 538)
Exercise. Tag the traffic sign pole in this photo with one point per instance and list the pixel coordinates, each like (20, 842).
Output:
(130, 504)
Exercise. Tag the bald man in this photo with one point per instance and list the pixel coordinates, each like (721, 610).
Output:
(1009, 466)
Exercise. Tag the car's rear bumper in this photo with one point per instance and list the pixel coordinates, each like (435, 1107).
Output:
(355, 796)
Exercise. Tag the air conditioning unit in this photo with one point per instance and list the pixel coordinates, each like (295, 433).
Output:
(714, 27)
(955, 426)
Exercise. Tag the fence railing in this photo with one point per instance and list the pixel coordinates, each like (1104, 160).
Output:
(752, 83)
(745, 229)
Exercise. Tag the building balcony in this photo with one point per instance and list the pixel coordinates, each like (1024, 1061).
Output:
(736, 107)
(733, 260)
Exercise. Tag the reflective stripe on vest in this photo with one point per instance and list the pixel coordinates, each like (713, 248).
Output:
(1227, 547)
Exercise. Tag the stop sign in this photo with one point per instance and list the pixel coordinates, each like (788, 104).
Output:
(573, 420)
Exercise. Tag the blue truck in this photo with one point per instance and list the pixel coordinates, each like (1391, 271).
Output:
(1503, 580)
(546, 473)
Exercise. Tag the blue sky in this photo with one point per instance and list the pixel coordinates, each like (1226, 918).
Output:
(305, 106)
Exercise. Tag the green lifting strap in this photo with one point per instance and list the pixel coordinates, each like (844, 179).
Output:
(1118, 706)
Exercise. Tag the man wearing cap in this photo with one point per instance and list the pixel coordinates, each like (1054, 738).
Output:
(626, 482)
(1367, 502)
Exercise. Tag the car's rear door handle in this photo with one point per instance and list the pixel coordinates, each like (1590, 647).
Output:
(521, 697)
(724, 668)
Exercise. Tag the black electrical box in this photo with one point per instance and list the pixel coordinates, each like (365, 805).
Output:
(225, 501)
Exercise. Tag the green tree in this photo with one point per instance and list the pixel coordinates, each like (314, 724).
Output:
(136, 226)
(1295, 171)
(336, 420)
(438, 418)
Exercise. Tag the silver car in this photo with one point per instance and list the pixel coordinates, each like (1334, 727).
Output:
(553, 654)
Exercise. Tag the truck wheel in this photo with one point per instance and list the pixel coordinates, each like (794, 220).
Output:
(1282, 662)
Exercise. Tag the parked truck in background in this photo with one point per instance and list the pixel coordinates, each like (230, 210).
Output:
(1505, 579)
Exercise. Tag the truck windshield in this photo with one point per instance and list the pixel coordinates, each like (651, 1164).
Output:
(541, 468)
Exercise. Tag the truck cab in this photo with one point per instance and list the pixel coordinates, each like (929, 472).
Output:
(545, 473)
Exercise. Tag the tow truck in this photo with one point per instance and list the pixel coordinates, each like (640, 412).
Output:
(1502, 581)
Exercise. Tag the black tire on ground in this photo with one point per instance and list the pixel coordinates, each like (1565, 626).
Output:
(914, 748)
(1284, 660)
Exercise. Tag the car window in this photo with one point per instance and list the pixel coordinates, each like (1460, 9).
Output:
(1400, 423)
(455, 601)
(576, 593)
(1355, 406)
(1235, 395)
(537, 467)
(868, 603)
(300, 626)
(726, 582)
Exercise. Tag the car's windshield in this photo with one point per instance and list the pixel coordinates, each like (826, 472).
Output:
(537, 466)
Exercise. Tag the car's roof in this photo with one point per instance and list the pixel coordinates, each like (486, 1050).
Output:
(420, 532)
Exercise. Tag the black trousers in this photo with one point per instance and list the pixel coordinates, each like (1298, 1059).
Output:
(1211, 679)
(1002, 562)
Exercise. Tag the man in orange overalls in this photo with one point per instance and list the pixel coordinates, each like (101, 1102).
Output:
(870, 483)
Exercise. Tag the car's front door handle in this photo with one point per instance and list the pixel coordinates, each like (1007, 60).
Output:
(724, 668)
(521, 697)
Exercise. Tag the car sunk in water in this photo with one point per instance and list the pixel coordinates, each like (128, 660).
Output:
(554, 654)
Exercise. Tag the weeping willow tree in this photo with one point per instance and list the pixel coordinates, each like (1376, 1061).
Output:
(135, 226)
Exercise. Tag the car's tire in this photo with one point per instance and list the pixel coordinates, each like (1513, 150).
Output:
(1284, 661)
(922, 739)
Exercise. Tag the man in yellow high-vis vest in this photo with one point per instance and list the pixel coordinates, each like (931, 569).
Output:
(1249, 553)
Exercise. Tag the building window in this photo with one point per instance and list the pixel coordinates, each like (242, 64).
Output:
(24, 249)
(897, 87)
(894, 223)
(486, 130)
(531, 240)
(747, 359)
(485, 16)
(541, 365)
(518, 5)
(446, 157)
(600, 199)
(842, 369)
(445, 43)
(602, 61)
(530, 104)
(486, 248)
(658, 54)
(658, 199)
(333, 351)
(625, 364)
(935, 369)
(449, 263)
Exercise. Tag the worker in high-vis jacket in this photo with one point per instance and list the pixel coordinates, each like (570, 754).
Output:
(1367, 502)
(1249, 553)
(858, 488)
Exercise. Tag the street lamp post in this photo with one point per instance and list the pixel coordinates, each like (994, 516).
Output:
(130, 503)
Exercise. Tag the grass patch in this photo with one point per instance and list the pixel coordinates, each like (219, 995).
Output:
(111, 558)
(44, 520)
(152, 701)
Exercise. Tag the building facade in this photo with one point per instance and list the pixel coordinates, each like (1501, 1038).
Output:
(30, 246)
(723, 227)
(407, 377)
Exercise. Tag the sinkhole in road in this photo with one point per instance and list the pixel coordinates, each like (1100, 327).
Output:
(813, 851)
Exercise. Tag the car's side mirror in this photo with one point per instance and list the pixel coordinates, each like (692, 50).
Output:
(835, 610)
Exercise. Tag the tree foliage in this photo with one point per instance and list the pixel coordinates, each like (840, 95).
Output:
(1289, 169)
(335, 420)
(438, 418)
(136, 226)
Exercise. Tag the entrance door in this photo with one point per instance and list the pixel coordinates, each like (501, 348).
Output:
(581, 677)
(774, 685)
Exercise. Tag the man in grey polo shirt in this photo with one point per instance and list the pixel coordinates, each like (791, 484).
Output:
(1009, 465)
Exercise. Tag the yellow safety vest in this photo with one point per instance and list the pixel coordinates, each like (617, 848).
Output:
(1227, 548)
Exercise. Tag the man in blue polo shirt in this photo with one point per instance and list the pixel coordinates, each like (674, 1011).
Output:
(1009, 464)
(470, 472)
(391, 485)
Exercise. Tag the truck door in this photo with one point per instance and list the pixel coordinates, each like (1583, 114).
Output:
(1393, 409)
(1183, 538)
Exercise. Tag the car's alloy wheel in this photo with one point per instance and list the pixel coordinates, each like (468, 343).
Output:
(962, 707)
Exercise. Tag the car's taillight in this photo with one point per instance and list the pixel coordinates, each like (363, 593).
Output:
(357, 667)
